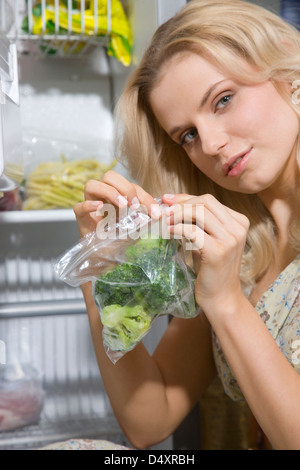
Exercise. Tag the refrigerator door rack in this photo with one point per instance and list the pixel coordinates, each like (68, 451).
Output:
(11, 161)
(36, 26)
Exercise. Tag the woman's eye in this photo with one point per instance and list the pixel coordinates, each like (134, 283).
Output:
(189, 137)
(223, 102)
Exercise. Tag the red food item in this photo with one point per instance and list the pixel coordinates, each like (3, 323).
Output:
(10, 201)
(21, 397)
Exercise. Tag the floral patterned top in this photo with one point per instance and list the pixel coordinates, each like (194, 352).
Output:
(279, 308)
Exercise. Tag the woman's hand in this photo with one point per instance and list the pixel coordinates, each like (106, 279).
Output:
(218, 235)
(112, 189)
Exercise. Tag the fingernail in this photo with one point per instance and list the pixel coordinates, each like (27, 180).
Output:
(169, 196)
(135, 203)
(97, 203)
(122, 201)
(155, 211)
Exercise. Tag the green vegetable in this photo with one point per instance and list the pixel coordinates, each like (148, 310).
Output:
(150, 283)
(119, 285)
(124, 326)
(163, 294)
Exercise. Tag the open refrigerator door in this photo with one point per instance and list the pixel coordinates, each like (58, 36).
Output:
(74, 57)
(11, 158)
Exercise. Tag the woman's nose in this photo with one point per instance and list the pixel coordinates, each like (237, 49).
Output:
(213, 138)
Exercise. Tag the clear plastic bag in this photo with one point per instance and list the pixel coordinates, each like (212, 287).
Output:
(138, 273)
(57, 167)
(21, 396)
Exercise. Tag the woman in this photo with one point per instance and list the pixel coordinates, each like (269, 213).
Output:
(210, 117)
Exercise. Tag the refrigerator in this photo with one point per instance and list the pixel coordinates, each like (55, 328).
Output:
(58, 88)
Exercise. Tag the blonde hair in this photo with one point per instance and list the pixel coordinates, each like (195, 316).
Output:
(222, 31)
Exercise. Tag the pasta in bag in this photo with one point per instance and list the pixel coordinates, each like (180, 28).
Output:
(137, 274)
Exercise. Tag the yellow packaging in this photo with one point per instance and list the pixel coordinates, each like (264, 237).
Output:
(120, 36)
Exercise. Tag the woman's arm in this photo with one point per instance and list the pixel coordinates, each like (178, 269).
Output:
(150, 395)
(269, 383)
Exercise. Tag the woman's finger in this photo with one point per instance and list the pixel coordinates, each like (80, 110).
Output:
(207, 200)
(191, 232)
(83, 208)
(146, 200)
(125, 188)
(98, 190)
(206, 211)
(197, 214)
(115, 189)
(240, 218)
(201, 216)
(87, 215)
(171, 199)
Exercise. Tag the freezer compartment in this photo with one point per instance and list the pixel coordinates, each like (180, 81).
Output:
(43, 323)
(64, 28)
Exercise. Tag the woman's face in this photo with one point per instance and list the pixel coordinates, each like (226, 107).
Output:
(242, 137)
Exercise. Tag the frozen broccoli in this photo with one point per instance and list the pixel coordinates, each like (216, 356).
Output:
(151, 253)
(124, 326)
(167, 279)
(163, 293)
(151, 278)
(118, 286)
(150, 283)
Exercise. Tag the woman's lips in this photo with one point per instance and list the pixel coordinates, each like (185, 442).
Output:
(236, 165)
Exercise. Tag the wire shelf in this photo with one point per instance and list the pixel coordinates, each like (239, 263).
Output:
(75, 404)
(48, 431)
(18, 19)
